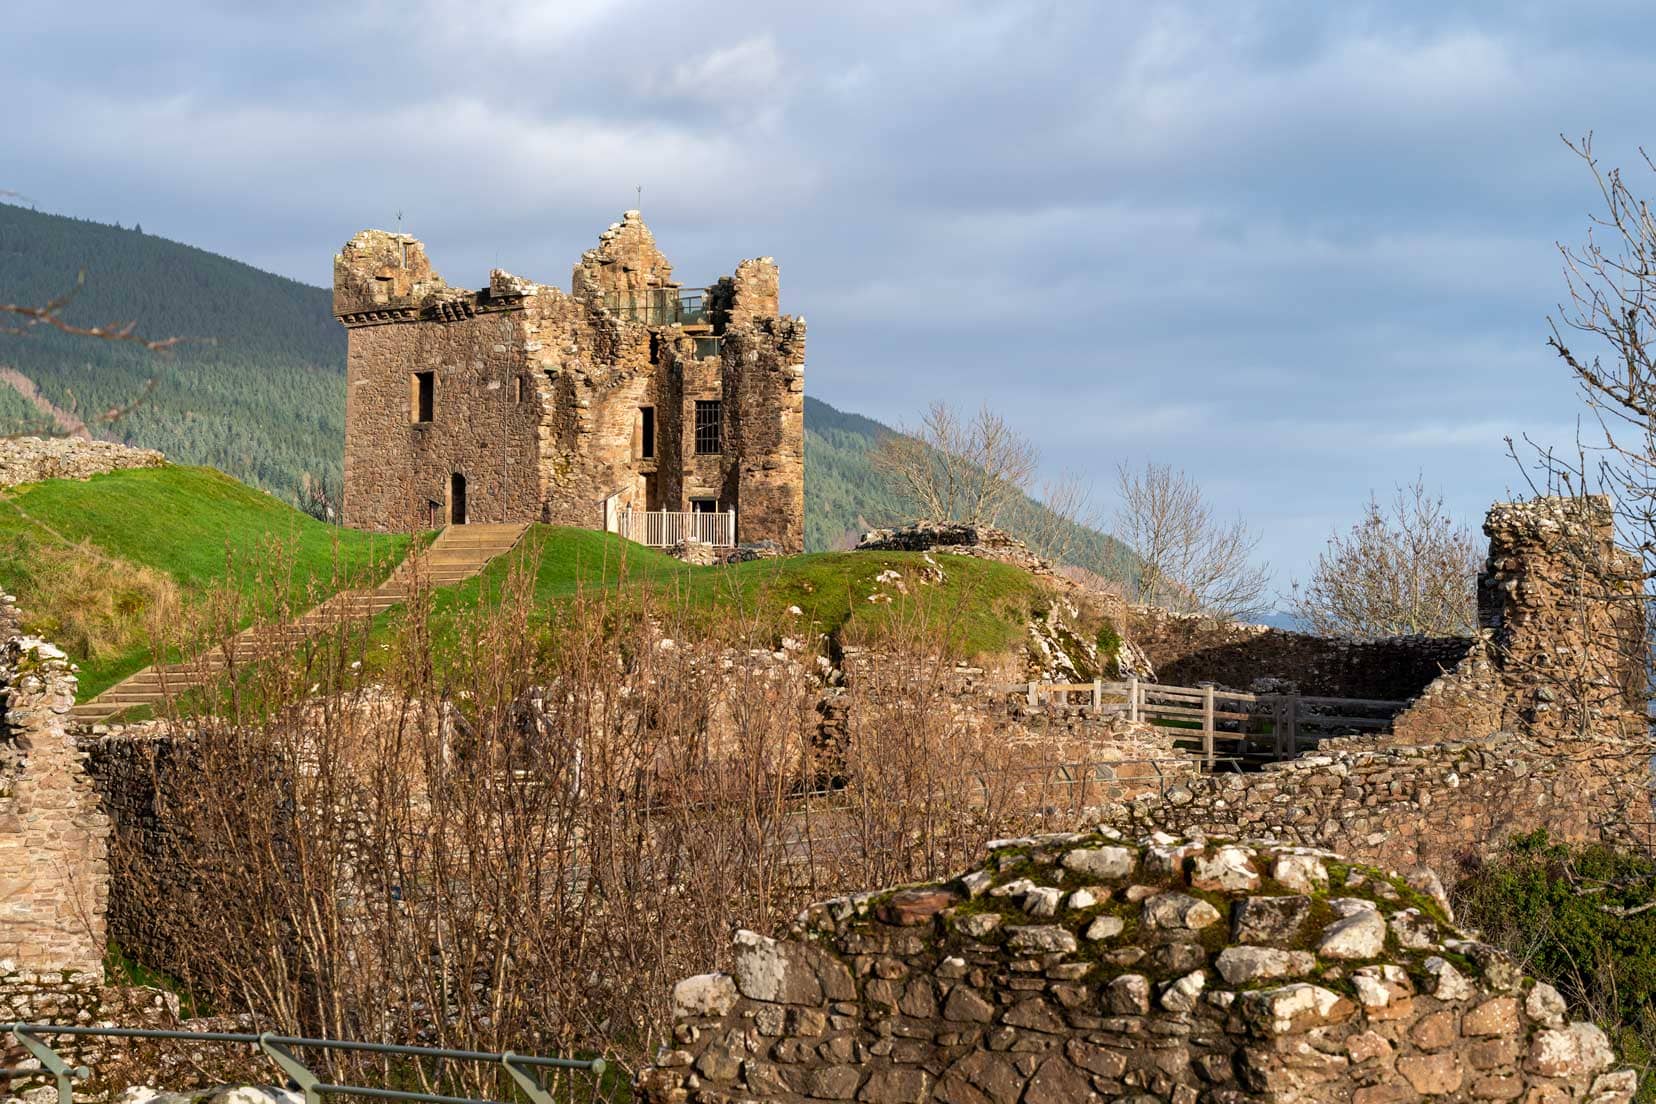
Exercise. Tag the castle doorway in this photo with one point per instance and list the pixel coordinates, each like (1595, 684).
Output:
(457, 499)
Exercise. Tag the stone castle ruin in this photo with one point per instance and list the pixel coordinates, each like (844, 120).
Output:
(630, 403)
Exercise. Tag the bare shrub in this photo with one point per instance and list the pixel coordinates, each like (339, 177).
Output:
(1189, 560)
(1404, 568)
(521, 837)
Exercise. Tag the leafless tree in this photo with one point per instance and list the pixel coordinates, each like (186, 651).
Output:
(1067, 509)
(1189, 560)
(952, 469)
(1611, 305)
(1406, 567)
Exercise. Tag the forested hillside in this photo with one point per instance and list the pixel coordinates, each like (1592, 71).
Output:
(258, 389)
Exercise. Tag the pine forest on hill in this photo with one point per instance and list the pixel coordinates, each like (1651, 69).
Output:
(256, 389)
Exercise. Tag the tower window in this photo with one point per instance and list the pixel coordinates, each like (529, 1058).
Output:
(422, 396)
(646, 432)
(707, 426)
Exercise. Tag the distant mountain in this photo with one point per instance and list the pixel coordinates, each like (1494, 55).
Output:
(844, 495)
(261, 394)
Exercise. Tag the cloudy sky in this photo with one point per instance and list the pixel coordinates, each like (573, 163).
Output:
(1301, 250)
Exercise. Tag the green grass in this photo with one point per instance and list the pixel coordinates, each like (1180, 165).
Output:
(981, 606)
(196, 527)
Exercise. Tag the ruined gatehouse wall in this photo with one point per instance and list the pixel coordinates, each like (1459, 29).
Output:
(1084, 967)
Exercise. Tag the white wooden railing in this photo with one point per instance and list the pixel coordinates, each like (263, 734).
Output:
(665, 528)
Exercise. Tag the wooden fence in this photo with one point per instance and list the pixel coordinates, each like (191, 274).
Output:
(665, 528)
(1257, 727)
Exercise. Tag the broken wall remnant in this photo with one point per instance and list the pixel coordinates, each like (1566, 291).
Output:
(569, 407)
(1561, 649)
(1082, 967)
(54, 874)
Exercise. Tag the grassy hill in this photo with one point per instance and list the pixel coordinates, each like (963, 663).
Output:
(106, 567)
(262, 395)
(98, 564)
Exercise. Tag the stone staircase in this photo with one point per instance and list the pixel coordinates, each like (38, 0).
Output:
(458, 553)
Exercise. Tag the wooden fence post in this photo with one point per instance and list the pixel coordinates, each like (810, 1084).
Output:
(1279, 721)
(1034, 696)
(1291, 744)
(1098, 693)
(1132, 699)
(1207, 725)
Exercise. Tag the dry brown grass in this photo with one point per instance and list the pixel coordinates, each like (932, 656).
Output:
(99, 606)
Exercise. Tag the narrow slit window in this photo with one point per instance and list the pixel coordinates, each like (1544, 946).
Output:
(517, 389)
(423, 395)
(707, 426)
(646, 432)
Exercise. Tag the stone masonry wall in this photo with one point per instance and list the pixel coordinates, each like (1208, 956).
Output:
(53, 834)
(540, 394)
(764, 383)
(1444, 805)
(1188, 651)
(1080, 968)
(31, 459)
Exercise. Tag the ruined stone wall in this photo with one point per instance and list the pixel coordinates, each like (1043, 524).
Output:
(764, 381)
(1081, 968)
(1565, 608)
(54, 876)
(1188, 651)
(31, 459)
(1445, 805)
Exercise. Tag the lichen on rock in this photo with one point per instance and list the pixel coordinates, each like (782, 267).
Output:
(1191, 972)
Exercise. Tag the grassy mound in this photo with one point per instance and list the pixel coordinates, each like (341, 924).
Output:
(982, 606)
(94, 563)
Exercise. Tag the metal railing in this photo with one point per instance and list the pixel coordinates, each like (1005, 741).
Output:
(659, 306)
(523, 1068)
(665, 528)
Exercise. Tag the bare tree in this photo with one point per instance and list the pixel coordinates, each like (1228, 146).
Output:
(1189, 560)
(1611, 282)
(951, 469)
(1405, 568)
(1067, 510)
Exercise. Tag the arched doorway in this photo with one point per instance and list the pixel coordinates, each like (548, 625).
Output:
(457, 499)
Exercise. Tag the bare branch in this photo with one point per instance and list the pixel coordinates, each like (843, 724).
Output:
(26, 318)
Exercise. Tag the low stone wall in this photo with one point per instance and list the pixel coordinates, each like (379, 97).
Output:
(1081, 968)
(982, 541)
(54, 876)
(1445, 805)
(1188, 651)
(31, 459)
